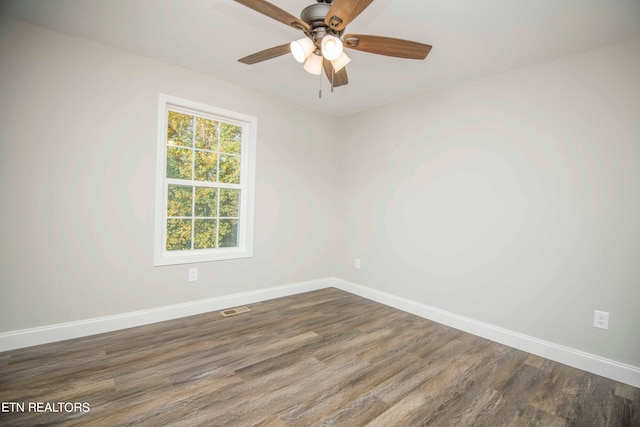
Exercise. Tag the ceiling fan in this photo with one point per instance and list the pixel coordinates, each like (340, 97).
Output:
(321, 48)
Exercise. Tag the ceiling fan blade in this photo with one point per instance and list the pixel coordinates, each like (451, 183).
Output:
(263, 55)
(387, 46)
(342, 12)
(336, 78)
(273, 11)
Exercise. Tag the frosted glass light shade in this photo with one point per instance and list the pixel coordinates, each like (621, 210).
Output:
(331, 47)
(313, 64)
(301, 49)
(340, 62)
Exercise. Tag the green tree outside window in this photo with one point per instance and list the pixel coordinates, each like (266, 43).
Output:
(203, 165)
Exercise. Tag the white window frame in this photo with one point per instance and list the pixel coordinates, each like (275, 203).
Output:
(247, 184)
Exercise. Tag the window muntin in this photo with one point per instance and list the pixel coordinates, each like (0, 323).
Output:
(206, 156)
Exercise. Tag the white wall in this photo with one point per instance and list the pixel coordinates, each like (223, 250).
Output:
(514, 200)
(77, 164)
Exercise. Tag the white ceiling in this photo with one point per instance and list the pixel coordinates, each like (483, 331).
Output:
(471, 39)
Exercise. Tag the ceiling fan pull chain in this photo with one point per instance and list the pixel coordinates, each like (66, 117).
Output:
(333, 74)
(320, 90)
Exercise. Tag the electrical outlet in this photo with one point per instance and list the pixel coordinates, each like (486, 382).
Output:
(193, 274)
(601, 319)
(357, 264)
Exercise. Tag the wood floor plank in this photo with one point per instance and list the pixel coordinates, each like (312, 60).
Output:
(534, 417)
(465, 409)
(560, 387)
(464, 400)
(627, 392)
(398, 388)
(406, 412)
(452, 390)
(352, 388)
(322, 358)
(510, 402)
(357, 412)
(503, 368)
(593, 403)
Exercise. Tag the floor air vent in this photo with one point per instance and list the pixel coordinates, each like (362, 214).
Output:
(233, 311)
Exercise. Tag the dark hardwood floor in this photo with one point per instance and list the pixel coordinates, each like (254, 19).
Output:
(322, 358)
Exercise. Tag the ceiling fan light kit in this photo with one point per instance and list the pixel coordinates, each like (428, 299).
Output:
(331, 47)
(340, 62)
(302, 48)
(313, 64)
(323, 25)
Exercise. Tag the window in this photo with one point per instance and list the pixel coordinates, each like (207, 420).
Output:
(205, 183)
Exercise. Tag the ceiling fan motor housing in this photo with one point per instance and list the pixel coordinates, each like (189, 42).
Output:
(314, 15)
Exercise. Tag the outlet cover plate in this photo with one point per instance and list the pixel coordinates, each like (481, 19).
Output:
(601, 319)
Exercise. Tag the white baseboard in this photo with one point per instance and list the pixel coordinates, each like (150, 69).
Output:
(607, 368)
(617, 371)
(64, 331)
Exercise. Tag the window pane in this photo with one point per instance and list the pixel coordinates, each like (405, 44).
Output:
(205, 233)
(228, 233)
(206, 134)
(205, 168)
(178, 234)
(230, 138)
(204, 207)
(179, 129)
(229, 202)
(179, 162)
(179, 200)
(229, 169)
(206, 202)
